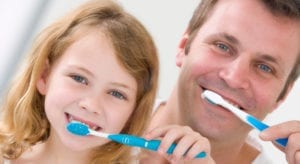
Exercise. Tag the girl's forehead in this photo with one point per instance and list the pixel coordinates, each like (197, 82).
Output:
(83, 30)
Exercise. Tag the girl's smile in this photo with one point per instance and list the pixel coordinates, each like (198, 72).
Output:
(80, 87)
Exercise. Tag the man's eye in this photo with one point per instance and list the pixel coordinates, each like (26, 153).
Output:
(117, 95)
(265, 68)
(79, 79)
(223, 47)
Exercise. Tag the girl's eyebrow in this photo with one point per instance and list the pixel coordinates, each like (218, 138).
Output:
(81, 69)
(114, 83)
(122, 85)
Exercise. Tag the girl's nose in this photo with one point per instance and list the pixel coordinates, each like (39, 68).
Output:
(91, 103)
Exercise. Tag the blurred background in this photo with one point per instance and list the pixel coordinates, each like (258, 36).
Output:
(166, 21)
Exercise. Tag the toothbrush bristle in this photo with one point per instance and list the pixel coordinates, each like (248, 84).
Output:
(78, 128)
(210, 101)
(211, 97)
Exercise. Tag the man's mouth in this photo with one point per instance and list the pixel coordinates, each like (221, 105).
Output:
(91, 125)
(227, 100)
(233, 104)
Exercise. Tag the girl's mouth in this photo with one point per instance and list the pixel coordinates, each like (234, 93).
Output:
(91, 125)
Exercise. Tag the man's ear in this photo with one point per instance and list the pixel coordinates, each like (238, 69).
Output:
(181, 50)
(41, 83)
(279, 102)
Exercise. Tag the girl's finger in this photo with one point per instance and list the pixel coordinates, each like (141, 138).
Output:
(202, 145)
(159, 132)
(173, 135)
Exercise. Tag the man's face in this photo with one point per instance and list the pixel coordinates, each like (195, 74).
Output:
(245, 54)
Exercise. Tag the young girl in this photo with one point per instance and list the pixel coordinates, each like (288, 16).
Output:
(97, 65)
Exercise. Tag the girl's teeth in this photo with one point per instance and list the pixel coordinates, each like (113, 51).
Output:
(71, 118)
(94, 128)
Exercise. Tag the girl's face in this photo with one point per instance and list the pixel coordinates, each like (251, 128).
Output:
(87, 84)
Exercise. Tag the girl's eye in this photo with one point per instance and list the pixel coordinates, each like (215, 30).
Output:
(265, 68)
(79, 79)
(118, 95)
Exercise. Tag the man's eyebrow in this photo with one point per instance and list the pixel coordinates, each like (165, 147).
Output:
(224, 36)
(229, 38)
(234, 40)
(269, 58)
(275, 60)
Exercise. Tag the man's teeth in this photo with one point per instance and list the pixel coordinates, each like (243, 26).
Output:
(233, 104)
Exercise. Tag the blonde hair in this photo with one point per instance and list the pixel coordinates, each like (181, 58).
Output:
(23, 119)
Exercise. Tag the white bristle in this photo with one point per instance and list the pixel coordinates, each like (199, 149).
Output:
(218, 100)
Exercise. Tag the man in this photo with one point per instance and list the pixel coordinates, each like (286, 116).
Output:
(248, 52)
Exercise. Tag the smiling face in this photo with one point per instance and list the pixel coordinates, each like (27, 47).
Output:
(245, 54)
(89, 85)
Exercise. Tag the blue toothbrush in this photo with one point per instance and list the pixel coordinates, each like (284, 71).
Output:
(216, 99)
(81, 129)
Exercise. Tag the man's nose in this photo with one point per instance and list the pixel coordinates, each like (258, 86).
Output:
(236, 74)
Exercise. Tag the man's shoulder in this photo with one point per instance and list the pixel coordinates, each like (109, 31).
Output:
(160, 114)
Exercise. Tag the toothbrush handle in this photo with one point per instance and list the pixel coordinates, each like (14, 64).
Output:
(261, 126)
(153, 145)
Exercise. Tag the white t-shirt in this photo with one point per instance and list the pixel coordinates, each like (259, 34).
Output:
(262, 158)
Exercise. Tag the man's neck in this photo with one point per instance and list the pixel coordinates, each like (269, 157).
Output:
(239, 152)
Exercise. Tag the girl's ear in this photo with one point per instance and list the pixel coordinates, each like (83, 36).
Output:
(181, 50)
(41, 83)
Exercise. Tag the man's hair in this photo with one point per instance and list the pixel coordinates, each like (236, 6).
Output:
(281, 8)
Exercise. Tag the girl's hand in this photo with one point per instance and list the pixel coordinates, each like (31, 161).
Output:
(290, 130)
(189, 144)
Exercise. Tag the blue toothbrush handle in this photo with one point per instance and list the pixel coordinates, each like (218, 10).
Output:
(261, 126)
(153, 145)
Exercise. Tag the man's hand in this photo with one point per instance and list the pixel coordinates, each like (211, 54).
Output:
(290, 130)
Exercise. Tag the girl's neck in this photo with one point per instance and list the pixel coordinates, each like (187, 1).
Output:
(52, 151)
